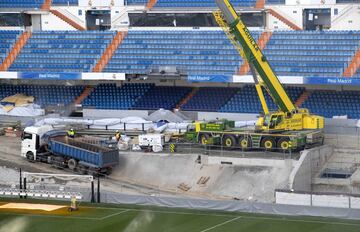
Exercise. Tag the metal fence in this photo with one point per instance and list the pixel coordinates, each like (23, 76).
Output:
(219, 150)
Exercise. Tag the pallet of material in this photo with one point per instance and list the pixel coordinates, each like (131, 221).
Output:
(203, 180)
(184, 187)
(11, 132)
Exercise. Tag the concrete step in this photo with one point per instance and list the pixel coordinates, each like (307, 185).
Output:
(347, 151)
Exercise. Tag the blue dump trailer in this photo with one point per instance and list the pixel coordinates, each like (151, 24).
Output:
(85, 155)
(82, 156)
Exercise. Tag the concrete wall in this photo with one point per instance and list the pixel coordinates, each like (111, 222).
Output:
(292, 13)
(249, 161)
(101, 3)
(308, 2)
(51, 22)
(347, 18)
(293, 198)
(320, 200)
(310, 162)
(36, 22)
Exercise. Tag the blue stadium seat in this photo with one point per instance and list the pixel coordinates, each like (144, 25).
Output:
(7, 40)
(209, 99)
(311, 53)
(165, 97)
(109, 96)
(187, 50)
(192, 52)
(332, 103)
(45, 95)
(62, 51)
(29, 4)
(246, 100)
(191, 3)
(65, 2)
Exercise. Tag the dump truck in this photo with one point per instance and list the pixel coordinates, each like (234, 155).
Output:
(43, 144)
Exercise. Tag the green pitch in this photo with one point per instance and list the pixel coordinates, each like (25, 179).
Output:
(117, 218)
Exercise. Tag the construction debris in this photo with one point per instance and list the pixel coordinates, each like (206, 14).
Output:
(203, 180)
(184, 187)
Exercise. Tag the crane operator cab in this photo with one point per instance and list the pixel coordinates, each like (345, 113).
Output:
(299, 120)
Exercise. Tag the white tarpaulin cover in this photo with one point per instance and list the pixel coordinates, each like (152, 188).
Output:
(165, 115)
(30, 110)
(16, 100)
(131, 123)
(20, 105)
(63, 121)
(107, 121)
(133, 120)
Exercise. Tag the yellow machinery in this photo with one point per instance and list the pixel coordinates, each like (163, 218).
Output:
(288, 117)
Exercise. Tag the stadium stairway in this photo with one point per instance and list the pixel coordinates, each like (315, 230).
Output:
(284, 20)
(187, 98)
(150, 4)
(87, 91)
(20, 43)
(110, 50)
(68, 20)
(260, 4)
(264, 38)
(353, 66)
(46, 5)
(303, 97)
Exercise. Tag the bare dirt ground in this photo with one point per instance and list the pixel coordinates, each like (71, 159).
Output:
(164, 174)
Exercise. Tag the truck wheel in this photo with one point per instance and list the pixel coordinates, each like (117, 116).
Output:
(245, 143)
(72, 164)
(203, 139)
(284, 144)
(268, 143)
(30, 156)
(108, 171)
(228, 141)
(82, 169)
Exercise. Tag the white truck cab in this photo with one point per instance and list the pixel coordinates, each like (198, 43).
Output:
(31, 140)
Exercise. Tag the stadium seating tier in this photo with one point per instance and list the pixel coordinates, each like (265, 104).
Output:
(62, 51)
(7, 40)
(45, 95)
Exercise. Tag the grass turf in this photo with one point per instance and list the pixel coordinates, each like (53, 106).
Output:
(116, 218)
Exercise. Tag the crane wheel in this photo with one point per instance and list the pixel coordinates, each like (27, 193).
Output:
(204, 138)
(228, 141)
(284, 144)
(268, 143)
(245, 143)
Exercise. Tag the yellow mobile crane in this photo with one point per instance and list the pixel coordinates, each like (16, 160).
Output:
(288, 128)
(289, 117)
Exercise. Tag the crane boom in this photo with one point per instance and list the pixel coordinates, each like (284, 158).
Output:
(255, 57)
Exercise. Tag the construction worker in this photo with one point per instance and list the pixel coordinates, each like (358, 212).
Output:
(73, 204)
(71, 133)
(117, 135)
